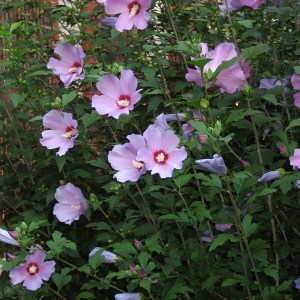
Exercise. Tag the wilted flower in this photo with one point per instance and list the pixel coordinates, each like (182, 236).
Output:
(62, 133)
(8, 238)
(269, 176)
(161, 154)
(70, 65)
(202, 138)
(297, 283)
(223, 227)
(174, 117)
(230, 79)
(206, 238)
(109, 257)
(295, 159)
(109, 21)
(271, 83)
(128, 296)
(33, 271)
(132, 13)
(119, 95)
(215, 164)
(72, 203)
(123, 159)
(245, 163)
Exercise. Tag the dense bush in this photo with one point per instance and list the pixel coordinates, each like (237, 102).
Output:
(171, 146)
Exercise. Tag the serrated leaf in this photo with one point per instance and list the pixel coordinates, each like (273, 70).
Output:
(124, 247)
(38, 224)
(67, 98)
(16, 99)
(254, 51)
(248, 228)
(229, 282)
(143, 259)
(88, 120)
(85, 295)
(178, 288)
(96, 260)
(99, 163)
(62, 279)
(293, 123)
(181, 180)
(146, 284)
(239, 114)
(221, 239)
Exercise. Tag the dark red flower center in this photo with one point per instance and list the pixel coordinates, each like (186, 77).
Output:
(32, 269)
(70, 132)
(134, 8)
(160, 157)
(138, 164)
(124, 101)
(75, 67)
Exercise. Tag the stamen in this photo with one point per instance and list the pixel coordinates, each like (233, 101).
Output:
(32, 268)
(138, 164)
(75, 67)
(77, 207)
(160, 157)
(124, 101)
(134, 8)
(70, 132)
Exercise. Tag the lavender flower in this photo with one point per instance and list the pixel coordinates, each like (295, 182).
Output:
(70, 65)
(7, 237)
(132, 13)
(72, 203)
(109, 257)
(269, 176)
(109, 21)
(123, 159)
(62, 133)
(295, 159)
(298, 184)
(128, 296)
(119, 95)
(229, 80)
(297, 283)
(33, 272)
(161, 154)
(215, 164)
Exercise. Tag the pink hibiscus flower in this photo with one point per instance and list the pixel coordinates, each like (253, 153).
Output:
(63, 131)
(72, 203)
(70, 66)
(33, 272)
(132, 13)
(123, 159)
(161, 155)
(119, 95)
(229, 80)
(295, 80)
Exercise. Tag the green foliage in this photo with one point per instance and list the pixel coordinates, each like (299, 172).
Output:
(165, 229)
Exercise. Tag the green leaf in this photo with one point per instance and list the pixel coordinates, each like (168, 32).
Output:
(16, 99)
(88, 120)
(254, 51)
(213, 181)
(200, 209)
(181, 180)
(59, 242)
(200, 127)
(62, 279)
(60, 162)
(229, 282)
(284, 286)
(153, 243)
(209, 283)
(221, 239)
(297, 69)
(293, 123)
(123, 119)
(67, 98)
(178, 288)
(248, 228)
(40, 73)
(37, 118)
(38, 224)
(96, 260)
(14, 26)
(143, 259)
(239, 114)
(200, 63)
(146, 284)
(99, 163)
(124, 248)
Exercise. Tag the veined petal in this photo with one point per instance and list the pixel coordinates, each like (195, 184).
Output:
(169, 141)
(104, 104)
(147, 157)
(54, 120)
(18, 274)
(32, 282)
(125, 21)
(52, 139)
(140, 20)
(109, 85)
(145, 4)
(65, 146)
(176, 157)
(128, 82)
(113, 7)
(69, 53)
(194, 76)
(46, 269)
(65, 213)
(121, 158)
(153, 139)
(67, 78)
(58, 66)
(297, 99)
(164, 171)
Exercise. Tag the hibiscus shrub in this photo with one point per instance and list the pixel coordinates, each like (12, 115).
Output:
(149, 149)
